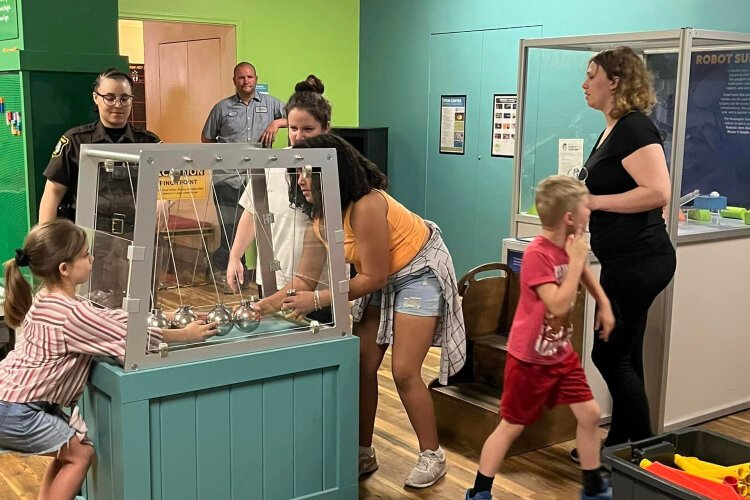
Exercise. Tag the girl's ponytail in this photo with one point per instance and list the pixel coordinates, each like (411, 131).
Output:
(17, 293)
(46, 247)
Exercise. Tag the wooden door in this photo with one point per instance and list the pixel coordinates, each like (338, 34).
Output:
(192, 70)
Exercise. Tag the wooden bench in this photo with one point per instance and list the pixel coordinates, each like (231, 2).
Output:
(468, 408)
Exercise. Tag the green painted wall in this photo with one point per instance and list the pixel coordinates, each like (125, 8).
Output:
(285, 40)
(57, 27)
(398, 41)
(46, 74)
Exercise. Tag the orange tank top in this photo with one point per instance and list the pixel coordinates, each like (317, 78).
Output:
(407, 230)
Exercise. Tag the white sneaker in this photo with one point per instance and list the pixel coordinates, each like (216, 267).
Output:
(430, 467)
(367, 463)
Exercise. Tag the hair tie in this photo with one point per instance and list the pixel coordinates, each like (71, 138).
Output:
(22, 258)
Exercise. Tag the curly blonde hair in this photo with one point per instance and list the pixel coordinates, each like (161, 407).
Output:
(634, 90)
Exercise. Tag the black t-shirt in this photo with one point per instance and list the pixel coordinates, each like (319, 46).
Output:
(616, 236)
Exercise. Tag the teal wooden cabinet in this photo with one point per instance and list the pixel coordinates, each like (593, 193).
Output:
(268, 425)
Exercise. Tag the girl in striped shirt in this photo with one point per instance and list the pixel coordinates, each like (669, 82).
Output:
(57, 336)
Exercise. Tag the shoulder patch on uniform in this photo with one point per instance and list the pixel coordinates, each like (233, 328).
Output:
(60, 147)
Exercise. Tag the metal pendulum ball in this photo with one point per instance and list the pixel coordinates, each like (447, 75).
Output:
(157, 319)
(183, 317)
(247, 317)
(222, 316)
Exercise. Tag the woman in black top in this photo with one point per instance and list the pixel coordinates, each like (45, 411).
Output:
(628, 178)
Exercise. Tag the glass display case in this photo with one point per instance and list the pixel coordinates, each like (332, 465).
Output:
(161, 220)
(702, 84)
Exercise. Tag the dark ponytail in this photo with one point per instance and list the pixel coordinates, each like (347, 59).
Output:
(46, 247)
(17, 294)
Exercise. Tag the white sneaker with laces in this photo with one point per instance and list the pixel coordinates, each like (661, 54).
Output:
(367, 462)
(430, 467)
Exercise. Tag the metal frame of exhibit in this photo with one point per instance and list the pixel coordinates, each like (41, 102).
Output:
(166, 157)
(682, 41)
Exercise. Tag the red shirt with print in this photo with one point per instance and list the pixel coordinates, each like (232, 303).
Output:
(537, 336)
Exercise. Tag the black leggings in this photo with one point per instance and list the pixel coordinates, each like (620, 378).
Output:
(631, 287)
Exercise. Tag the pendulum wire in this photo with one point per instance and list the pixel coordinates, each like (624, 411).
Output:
(221, 221)
(171, 245)
(203, 240)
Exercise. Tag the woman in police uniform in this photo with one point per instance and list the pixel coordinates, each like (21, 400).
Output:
(113, 96)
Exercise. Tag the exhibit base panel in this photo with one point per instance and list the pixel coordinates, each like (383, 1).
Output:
(707, 347)
(278, 424)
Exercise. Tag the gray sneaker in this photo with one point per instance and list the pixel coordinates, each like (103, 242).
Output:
(430, 467)
(367, 463)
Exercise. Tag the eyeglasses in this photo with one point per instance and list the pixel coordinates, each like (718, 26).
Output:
(579, 173)
(110, 99)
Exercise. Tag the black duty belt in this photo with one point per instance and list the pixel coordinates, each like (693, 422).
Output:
(117, 223)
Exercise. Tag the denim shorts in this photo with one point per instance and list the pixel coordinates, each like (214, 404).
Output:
(417, 294)
(34, 428)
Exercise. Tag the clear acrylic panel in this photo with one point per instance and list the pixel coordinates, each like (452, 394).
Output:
(108, 282)
(554, 109)
(204, 218)
(116, 187)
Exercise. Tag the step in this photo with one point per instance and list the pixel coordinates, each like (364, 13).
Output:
(467, 413)
(489, 360)
(479, 395)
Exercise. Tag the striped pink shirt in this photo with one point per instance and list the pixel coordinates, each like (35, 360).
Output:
(54, 347)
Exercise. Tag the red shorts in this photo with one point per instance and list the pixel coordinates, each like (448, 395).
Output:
(529, 387)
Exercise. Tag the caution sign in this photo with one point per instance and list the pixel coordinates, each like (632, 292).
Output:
(183, 184)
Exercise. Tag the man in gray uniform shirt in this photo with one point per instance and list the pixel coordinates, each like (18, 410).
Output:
(247, 116)
(250, 117)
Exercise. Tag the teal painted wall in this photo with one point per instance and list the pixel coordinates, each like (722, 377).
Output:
(285, 40)
(398, 41)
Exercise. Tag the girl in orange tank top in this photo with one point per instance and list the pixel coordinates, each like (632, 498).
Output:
(399, 279)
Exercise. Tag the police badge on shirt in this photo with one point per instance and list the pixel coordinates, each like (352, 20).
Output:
(60, 147)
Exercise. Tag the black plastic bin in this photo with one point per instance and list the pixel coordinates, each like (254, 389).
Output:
(630, 482)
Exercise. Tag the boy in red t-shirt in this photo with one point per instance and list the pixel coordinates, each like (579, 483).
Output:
(541, 367)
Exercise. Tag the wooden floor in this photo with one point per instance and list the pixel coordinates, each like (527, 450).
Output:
(543, 474)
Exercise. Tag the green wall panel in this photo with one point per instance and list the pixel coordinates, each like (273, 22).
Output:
(13, 190)
(285, 40)
(8, 20)
(69, 94)
(79, 26)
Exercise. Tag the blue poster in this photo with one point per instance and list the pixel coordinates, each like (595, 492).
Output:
(717, 134)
